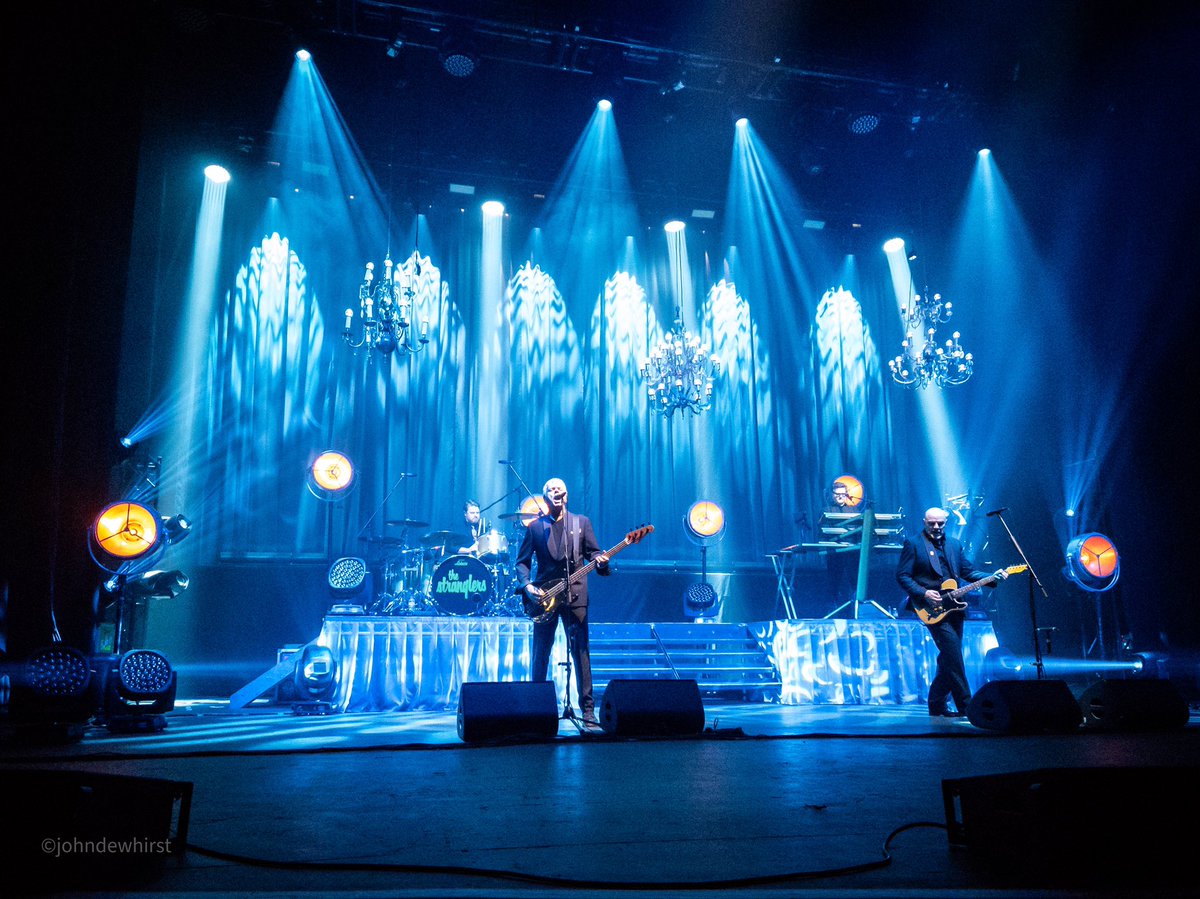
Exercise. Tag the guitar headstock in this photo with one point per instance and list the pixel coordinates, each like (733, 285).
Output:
(637, 535)
(1016, 569)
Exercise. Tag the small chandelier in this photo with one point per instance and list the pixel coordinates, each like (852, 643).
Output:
(387, 310)
(924, 361)
(680, 372)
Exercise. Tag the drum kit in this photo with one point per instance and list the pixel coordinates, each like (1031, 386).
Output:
(435, 578)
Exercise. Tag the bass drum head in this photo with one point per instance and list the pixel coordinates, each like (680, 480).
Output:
(460, 586)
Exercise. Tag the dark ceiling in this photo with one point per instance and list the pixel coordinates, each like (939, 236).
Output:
(938, 79)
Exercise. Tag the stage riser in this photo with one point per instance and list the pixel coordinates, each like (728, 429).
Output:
(405, 663)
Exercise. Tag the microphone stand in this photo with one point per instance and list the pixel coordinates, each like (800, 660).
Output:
(520, 480)
(379, 508)
(568, 713)
(1033, 578)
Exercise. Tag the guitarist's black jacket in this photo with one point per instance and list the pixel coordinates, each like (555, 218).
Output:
(921, 567)
(579, 542)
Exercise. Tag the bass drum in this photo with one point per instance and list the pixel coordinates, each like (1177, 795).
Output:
(461, 586)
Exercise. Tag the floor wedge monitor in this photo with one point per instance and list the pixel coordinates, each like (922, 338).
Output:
(635, 708)
(1037, 706)
(1133, 705)
(498, 710)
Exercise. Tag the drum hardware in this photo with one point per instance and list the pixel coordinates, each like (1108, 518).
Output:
(407, 523)
(446, 538)
(384, 541)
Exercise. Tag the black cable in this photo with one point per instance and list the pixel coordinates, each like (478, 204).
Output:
(733, 883)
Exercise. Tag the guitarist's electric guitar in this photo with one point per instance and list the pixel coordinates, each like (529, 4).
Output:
(933, 612)
(541, 606)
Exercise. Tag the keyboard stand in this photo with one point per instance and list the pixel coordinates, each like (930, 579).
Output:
(784, 563)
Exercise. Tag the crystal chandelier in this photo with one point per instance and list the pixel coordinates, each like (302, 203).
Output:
(680, 372)
(922, 360)
(387, 311)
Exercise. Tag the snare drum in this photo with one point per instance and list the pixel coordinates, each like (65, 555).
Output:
(460, 586)
(492, 547)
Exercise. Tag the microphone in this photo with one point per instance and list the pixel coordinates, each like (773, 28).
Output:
(505, 461)
(997, 511)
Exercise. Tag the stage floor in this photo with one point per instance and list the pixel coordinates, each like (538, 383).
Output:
(824, 800)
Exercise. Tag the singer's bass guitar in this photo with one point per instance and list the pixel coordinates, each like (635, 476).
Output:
(541, 602)
(951, 598)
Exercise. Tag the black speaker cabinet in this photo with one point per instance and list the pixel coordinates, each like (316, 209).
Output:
(1078, 827)
(1038, 706)
(496, 710)
(81, 830)
(651, 708)
(1133, 705)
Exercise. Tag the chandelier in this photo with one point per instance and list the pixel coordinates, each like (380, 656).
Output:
(387, 311)
(922, 360)
(680, 372)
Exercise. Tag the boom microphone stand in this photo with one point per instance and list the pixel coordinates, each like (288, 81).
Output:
(1033, 578)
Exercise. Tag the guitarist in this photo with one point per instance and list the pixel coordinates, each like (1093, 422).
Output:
(925, 564)
(561, 542)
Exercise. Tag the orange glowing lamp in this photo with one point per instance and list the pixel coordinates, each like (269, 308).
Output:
(531, 509)
(1093, 562)
(854, 488)
(125, 536)
(331, 475)
(704, 522)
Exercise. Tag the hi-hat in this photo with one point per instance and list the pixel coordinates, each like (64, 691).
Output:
(445, 538)
(407, 523)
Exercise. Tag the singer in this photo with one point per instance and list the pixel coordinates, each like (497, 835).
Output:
(926, 565)
(562, 542)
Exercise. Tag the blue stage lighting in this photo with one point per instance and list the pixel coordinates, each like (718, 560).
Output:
(604, 105)
(493, 207)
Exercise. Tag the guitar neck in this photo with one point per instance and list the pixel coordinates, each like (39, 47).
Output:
(580, 573)
(963, 591)
(583, 572)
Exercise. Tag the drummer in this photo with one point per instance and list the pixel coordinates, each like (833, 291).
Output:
(476, 527)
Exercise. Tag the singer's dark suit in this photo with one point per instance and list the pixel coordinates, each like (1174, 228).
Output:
(558, 546)
(924, 565)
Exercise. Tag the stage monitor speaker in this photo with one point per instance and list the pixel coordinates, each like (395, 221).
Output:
(1134, 705)
(506, 709)
(80, 830)
(1037, 706)
(1077, 827)
(634, 708)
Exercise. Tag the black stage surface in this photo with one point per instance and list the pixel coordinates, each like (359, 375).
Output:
(820, 800)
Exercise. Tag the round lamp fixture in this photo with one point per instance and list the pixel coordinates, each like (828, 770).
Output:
(704, 522)
(1093, 562)
(331, 475)
(854, 488)
(531, 508)
(125, 536)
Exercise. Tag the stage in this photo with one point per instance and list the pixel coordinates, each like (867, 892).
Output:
(421, 662)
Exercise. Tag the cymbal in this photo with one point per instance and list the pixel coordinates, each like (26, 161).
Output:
(445, 538)
(509, 516)
(407, 523)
